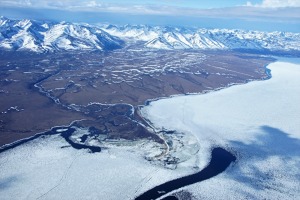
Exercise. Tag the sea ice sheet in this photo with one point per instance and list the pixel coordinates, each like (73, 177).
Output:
(49, 168)
(258, 121)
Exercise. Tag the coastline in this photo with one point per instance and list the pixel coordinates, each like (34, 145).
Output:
(71, 164)
(240, 123)
(267, 72)
(139, 107)
(37, 135)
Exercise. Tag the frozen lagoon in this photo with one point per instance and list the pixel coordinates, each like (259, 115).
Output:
(259, 121)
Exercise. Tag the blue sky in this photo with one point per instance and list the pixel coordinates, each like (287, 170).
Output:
(266, 15)
(188, 3)
(197, 4)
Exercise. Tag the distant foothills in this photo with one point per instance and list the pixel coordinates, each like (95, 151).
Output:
(40, 36)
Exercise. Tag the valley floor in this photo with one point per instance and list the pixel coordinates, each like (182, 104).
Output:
(250, 120)
(39, 91)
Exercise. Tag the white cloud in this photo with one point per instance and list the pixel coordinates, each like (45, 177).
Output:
(249, 3)
(286, 10)
(50, 3)
(276, 3)
(93, 4)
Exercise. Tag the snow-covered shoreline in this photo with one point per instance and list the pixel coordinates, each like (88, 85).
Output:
(259, 120)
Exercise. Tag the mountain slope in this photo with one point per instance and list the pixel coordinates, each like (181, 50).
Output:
(42, 36)
(38, 36)
(182, 38)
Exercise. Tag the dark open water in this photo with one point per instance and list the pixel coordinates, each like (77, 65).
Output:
(220, 160)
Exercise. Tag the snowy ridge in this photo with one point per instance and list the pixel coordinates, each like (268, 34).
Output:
(183, 38)
(41, 36)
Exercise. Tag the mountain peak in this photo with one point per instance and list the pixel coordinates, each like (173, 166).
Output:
(51, 36)
(42, 36)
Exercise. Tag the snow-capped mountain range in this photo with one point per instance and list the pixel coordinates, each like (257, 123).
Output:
(183, 38)
(41, 36)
